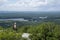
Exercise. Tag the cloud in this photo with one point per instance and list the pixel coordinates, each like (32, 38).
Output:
(32, 5)
(23, 4)
(2, 2)
(28, 4)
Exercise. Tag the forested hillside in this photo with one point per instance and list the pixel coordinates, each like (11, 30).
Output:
(41, 31)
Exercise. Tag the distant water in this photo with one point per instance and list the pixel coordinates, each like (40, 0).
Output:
(15, 19)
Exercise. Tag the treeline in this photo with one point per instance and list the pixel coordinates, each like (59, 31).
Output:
(28, 15)
(42, 31)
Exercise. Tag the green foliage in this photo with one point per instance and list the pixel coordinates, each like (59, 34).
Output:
(10, 36)
(42, 31)
(46, 31)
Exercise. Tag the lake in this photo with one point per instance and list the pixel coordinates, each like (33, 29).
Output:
(14, 19)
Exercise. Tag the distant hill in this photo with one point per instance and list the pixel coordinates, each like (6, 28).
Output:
(13, 14)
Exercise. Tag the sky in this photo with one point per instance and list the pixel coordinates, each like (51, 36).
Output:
(29, 5)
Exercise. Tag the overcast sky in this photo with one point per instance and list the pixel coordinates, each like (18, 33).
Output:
(29, 5)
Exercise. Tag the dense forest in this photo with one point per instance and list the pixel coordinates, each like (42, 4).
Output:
(38, 27)
(28, 15)
(40, 31)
